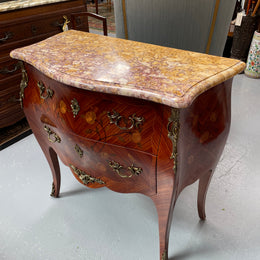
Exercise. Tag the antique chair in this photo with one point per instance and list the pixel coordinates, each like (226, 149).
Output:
(108, 4)
(75, 18)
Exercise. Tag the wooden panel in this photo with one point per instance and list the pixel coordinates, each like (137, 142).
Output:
(45, 24)
(204, 130)
(24, 27)
(97, 156)
(10, 109)
(92, 120)
(26, 13)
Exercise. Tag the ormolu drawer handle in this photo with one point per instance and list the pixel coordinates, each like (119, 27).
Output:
(134, 171)
(132, 121)
(49, 92)
(85, 178)
(50, 133)
(8, 35)
(57, 24)
(5, 70)
(13, 99)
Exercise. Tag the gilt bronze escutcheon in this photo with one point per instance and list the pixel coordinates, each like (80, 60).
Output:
(74, 104)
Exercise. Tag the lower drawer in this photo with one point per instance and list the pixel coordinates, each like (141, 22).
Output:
(97, 164)
(10, 108)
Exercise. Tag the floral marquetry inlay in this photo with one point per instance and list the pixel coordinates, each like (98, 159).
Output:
(63, 107)
(90, 117)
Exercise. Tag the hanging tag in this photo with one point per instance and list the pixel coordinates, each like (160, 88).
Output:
(65, 26)
(239, 19)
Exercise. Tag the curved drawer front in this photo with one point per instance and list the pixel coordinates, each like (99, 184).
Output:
(97, 164)
(102, 117)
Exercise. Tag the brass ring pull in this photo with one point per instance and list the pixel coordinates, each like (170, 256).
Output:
(50, 133)
(42, 88)
(132, 121)
(134, 171)
(8, 35)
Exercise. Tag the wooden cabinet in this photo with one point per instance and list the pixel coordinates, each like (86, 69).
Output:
(130, 116)
(113, 139)
(18, 28)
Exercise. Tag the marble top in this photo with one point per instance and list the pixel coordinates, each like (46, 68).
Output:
(20, 4)
(110, 65)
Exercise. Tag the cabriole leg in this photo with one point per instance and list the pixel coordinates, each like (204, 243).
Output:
(52, 159)
(204, 182)
(164, 205)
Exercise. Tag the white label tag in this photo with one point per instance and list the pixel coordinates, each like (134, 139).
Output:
(239, 19)
(65, 27)
(232, 28)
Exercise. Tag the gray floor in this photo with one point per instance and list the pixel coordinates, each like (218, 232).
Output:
(103, 225)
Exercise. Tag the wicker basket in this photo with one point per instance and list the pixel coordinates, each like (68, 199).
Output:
(242, 38)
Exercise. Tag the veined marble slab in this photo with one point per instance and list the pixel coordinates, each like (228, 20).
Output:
(164, 75)
(20, 4)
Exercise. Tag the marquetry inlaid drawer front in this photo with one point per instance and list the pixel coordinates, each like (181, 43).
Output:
(102, 117)
(98, 164)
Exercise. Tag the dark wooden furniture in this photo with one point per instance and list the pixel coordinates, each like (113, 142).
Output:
(20, 27)
(129, 116)
(108, 4)
(75, 17)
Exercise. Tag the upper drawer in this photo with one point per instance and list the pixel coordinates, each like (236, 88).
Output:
(107, 118)
(21, 31)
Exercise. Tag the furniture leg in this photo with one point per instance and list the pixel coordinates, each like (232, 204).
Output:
(165, 205)
(204, 182)
(50, 155)
(52, 159)
(96, 3)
